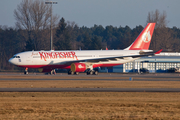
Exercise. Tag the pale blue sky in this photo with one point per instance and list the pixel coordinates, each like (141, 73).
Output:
(102, 12)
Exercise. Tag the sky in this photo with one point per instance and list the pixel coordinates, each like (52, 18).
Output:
(102, 12)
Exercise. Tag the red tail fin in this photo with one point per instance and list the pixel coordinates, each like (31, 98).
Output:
(142, 42)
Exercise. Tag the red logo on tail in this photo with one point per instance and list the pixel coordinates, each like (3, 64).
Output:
(146, 37)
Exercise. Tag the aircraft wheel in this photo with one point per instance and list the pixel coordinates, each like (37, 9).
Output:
(91, 72)
(70, 73)
(88, 72)
(53, 72)
(95, 72)
(25, 72)
(76, 73)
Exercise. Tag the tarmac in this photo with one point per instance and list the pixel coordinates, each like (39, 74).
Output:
(89, 89)
(109, 76)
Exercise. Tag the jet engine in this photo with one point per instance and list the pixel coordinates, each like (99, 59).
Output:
(78, 67)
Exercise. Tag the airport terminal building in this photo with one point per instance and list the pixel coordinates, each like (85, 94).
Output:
(156, 64)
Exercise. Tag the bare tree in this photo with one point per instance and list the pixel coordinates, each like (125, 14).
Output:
(159, 19)
(162, 37)
(34, 17)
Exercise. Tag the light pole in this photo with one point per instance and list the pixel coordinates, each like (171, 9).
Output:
(51, 40)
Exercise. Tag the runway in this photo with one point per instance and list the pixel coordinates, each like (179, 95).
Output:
(89, 89)
(101, 76)
(11, 78)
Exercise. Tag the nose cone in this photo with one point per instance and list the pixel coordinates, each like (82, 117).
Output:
(12, 61)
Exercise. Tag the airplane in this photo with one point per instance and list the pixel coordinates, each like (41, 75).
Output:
(86, 60)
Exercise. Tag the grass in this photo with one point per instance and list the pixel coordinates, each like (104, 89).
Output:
(89, 105)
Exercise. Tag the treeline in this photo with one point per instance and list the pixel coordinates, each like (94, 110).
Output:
(68, 36)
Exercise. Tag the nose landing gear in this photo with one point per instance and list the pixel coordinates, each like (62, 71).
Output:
(26, 71)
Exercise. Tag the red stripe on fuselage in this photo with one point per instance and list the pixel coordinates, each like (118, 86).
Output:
(64, 66)
(46, 66)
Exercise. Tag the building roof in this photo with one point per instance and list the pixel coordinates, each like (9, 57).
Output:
(162, 58)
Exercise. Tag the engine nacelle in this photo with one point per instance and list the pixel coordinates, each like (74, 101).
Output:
(78, 67)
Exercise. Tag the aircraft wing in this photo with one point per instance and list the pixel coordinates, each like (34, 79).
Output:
(95, 60)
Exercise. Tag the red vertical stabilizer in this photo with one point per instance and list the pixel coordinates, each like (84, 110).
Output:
(143, 41)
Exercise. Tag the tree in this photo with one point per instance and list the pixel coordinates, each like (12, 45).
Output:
(73, 30)
(159, 19)
(109, 37)
(62, 36)
(86, 42)
(10, 44)
(162, 37)
(96, 43)
(34, 16)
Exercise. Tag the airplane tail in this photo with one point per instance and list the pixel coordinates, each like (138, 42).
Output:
(142, 42)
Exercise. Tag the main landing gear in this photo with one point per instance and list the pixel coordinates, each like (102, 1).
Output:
(89, 72)
(53, 72)
(73, 73)
(92, 72)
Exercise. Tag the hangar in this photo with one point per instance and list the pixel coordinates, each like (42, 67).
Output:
(156, 64)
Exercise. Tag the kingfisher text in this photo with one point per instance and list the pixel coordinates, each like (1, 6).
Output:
(57, 55)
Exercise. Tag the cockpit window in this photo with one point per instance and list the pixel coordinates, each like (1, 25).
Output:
(16, 57)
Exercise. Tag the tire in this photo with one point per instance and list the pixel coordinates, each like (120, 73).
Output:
(90, 72)
(70, 73)
(25, 72)
(87, 72)
(76, 73)
(95, 72)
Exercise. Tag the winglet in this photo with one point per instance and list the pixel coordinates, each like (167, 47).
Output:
(106, 48)
(158, 51)
(142, 42)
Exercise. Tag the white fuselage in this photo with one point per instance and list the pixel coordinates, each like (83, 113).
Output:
(59, 59)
